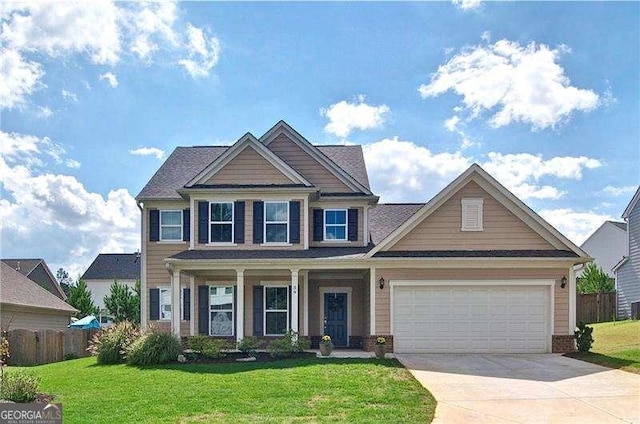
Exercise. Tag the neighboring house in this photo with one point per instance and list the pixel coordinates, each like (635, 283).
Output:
(627, 271)
(26, 305)
(38, 271)
(105, 269)
(275, 233)
(607, 245)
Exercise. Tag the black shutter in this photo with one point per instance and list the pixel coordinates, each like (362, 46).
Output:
(294, 222)
(154, 304)
(258, 215)
(318, 225)
(238, 225)
(203, 310)
(186, 304)
(203, 222)
(257, 310)
(235, 309)
(186, 225)
(353, 224)
(289, 305)
(154, 225)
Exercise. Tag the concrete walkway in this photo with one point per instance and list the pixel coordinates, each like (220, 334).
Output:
(544, 388)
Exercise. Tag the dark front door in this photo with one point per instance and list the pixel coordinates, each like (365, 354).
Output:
(335, 318)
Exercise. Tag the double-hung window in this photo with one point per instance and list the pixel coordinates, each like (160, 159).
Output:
(221, 222)
(335, 224)
(165, 304)
(276, 310)
(221, 311)
(276, 222)
(170, 225)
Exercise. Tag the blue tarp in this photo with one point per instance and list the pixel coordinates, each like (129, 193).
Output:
(86, 323)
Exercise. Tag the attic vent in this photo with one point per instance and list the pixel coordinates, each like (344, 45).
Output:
(472, 215)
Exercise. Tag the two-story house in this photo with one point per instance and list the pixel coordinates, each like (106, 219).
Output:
(275, 233)
(627, 271)
(606, 245)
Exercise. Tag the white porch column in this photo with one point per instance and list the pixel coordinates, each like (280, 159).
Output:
(305, 302)
(294, 300)
(192, 306)
(572, 299)
(175, 302)
(240, 304)
(372, 301)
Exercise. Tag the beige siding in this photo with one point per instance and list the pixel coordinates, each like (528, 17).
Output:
(24, 318)
(341, 243)
(249, 167)
(441, 230)
(357, 305)
(307, 166)
(561, 296)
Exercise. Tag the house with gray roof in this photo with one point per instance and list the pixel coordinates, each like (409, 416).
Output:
(627, 270)
(274, 233)
(607, 245)
(38, 271)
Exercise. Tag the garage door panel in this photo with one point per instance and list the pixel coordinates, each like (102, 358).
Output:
(464, 319)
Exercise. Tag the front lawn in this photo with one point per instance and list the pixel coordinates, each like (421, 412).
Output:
(616, 345)
(302, 390)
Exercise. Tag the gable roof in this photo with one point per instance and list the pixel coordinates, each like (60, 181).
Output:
(350, 159)
(385, 218)
(27, 267)
(19, 290)
(501, 194)
(632, 204)
(109, 266)
(618, 225)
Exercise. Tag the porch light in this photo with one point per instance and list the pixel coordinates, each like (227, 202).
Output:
(381, 282)
(563, 282)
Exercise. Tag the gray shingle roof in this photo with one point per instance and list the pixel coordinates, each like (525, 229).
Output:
(23, 266)
(16, 289)
(350, 159)
(621, 225)
(312, 253)
(385, 218)
(37, 271)
(108, 266)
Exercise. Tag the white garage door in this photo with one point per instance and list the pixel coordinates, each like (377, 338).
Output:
(471, 319)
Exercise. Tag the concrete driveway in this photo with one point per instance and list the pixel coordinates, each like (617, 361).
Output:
(544, 388)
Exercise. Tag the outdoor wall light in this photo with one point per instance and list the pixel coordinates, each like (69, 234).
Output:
(381, 282)
(563, 282)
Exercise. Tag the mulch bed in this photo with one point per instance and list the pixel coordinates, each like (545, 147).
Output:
(234, 356)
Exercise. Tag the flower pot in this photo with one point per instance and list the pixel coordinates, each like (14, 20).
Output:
(380, 350)
(326, 349)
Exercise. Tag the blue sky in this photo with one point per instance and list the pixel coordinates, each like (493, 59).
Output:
(545, 96)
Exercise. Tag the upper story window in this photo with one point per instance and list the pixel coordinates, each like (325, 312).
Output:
(472, 214)
(221, 222)
(276, 222)
(170, 225)
(335, 224)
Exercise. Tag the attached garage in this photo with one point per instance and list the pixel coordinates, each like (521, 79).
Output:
(472, 316)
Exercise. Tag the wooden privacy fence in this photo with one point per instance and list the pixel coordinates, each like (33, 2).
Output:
(28, 347)
(596, 307)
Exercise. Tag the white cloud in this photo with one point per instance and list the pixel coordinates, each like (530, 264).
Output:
(204, 52)
(20, 78)
(111, 79)
(69, 96)
(44, 112)
(344, 116)
(149, 151)
(72, 163)
(514, 83)
(620, 191)
(576, 225)
(467, 4)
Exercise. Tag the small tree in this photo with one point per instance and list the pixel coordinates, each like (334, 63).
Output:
(64, 280)
(123, 303)
(80, 298)
(595, 280)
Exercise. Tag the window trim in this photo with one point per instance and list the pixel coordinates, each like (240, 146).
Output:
(264, 308)
(345, 225)
(233, 221)
(472, 201)
(233, 310)
(264, 223)
(160, 238)
(160, 290)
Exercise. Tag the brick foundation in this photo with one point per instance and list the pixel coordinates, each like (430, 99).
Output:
(369, 341)
(355, 342)
(563, 344)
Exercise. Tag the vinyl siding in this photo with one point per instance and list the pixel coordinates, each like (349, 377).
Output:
(628, 275)
(442, 229)
(32, 318)
(561, 296)
(606, 246)
(357, 305)
(249, 167)
(101, 288)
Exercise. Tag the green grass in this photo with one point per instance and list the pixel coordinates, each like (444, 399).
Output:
(616, 345)
(303, 390)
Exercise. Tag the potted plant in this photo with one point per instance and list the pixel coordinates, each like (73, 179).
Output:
(380, 348)
(326, 345)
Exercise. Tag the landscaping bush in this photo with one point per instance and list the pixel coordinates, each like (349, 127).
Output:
(20, 386)
(248, 346)
(288, 346)
(208, 347)
(154, 347)
(584, 338)
(110, 344)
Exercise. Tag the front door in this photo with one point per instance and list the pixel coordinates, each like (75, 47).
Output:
(335, 318)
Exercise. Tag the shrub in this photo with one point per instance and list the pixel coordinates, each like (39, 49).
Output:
(154, 347)
(110, 344)
(211, 348)
(248, 345)
(287, 346)
(198, 342)
(584, 338)
(20, 386)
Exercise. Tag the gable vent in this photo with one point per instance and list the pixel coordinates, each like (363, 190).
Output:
(472, 215)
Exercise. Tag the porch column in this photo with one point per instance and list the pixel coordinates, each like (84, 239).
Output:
(192, 306)
(372, 301)
(175, 302)
(305, 302)
(240, 304)
(294, 300)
